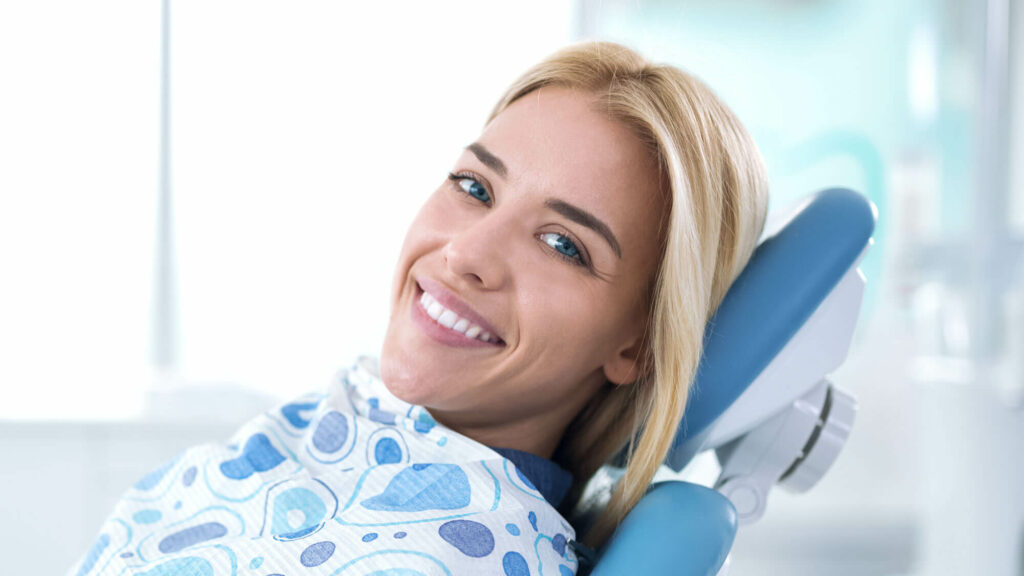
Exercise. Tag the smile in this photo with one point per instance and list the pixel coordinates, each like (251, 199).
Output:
(452, 322)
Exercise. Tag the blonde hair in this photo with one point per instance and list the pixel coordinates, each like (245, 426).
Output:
(718, 191)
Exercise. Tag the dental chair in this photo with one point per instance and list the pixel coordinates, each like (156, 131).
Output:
(761, 400)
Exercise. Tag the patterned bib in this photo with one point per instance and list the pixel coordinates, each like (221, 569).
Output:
(354, 482)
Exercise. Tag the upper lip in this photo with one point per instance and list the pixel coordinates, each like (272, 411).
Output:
(449, 300)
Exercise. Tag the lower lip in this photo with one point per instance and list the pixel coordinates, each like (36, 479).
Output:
(441, 334)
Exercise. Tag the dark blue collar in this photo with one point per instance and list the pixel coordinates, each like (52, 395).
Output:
(547, 477)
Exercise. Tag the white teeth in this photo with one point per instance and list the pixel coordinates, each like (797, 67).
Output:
(452, 321)
(447, 319)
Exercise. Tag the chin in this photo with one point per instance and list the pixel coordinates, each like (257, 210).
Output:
(402, 381)
(405, 391)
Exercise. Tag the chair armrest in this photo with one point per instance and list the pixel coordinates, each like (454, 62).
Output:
(677, 529)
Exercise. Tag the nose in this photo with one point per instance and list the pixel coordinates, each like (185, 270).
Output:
(479, 254)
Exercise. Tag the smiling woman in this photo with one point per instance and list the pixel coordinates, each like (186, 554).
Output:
(547, 310)
(595, 224)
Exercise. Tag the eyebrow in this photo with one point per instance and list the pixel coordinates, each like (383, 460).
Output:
(584, 218)
(574, 213)
(488, 159)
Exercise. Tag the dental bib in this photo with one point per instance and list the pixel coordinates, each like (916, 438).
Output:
(354, 482)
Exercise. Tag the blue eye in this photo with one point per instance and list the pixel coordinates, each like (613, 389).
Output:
(471, 187)
(564, 247)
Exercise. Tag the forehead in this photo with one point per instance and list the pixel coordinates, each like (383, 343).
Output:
(558, 132)
(556, 143)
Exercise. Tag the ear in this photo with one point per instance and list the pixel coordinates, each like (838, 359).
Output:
(624, 366)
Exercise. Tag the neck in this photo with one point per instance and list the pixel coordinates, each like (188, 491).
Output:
(533, 435)
(536, 431)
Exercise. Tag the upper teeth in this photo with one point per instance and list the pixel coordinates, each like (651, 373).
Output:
(453, 321)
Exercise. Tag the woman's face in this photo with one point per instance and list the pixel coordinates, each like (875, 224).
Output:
(544, 237)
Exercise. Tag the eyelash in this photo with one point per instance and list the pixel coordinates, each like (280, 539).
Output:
(582, 261)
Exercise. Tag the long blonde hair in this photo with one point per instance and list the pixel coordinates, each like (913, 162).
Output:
(718, 192)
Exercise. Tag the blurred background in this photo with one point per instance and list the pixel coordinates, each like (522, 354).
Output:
(201, 204)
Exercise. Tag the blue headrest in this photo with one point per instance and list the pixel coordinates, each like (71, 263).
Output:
(788, 276)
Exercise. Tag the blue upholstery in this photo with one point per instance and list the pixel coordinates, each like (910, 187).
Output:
(677, 528)
(775, 294)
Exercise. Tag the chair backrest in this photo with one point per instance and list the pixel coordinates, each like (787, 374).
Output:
(789, 276)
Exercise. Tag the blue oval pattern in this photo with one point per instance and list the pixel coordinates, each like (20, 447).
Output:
(471, 538)
(331, 433)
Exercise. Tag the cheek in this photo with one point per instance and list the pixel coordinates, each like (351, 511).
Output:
(564, 316)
